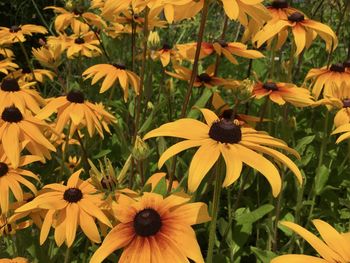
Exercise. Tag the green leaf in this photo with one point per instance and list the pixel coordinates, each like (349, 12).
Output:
(321, 178)
(161, 187)
(264, 256)
(255, 215)
(303, 143)
(101, 154)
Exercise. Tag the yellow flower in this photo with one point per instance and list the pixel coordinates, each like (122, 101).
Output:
(112, 73)
(6, 65)
(304, 31)
(154, 229)
(224, 137)
(327, 79)
(333, 249)
(168, 7)
(12, 177)
(205, 79)
(26, 75)
(70, 206)
(10, 226)
(48, 56)
(14, 260)
(281, 93)
(73, 163)
(77, 18)
(17, 33)
(18, 127)
(81, 112)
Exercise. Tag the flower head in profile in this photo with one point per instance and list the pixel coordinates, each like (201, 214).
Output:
(48, 56)
(28, 75)
(6, 65)
(326, 79)
(9, 226)
(13, 34)
(155, 229)
(11, 179)
(82, 113)
(164, 54)
(14, 260)
(333, 248)
(281, 93)
(69, 206)
(304, 31)
(223, 136)
(205, 79)
(111, 73)
(21, 128)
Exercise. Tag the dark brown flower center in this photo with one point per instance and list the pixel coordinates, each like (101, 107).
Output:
(227, 115)
(10, 85)
(225, 131)
(346, 103)
(26, 70)
(204, 77)
(12, 114)
(147, 222)
(166, 46)
(338, 67)
(3, 169)
(72, 195)
(79, 40)
(296, 17)
(278, 4)
(78, 11)
(15, 29)
(119, 66)
(222, 42)
(107, 182)
(270, 86)
(76, 96)
(347, 64)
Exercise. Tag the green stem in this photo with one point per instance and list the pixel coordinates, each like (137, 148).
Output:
(27, 58)
(64, 152)
(215, 210)
(67, 255)
(42, 18)
(84, 153)
(277, 216)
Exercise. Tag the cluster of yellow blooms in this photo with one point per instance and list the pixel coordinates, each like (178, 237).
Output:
(151, 227)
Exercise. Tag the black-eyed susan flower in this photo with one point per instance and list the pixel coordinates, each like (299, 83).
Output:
(38, 75)
(48, 56)
(205, 79)
(13, 34)
(11, 179)
(111, 73)
(333, 248)
(168, 7)
(224, 137)
(10, 227)
(14, 260)
(84, 44)
(6, 65)
(79, 112)
(345, 130)
(155, 229)
(78, 18)
(72, 163)
(325, 79)
(281, 93)
(165, 53)
(20, 94)
(69, 206)
(18, 127)
(228, 49)
(304, 31)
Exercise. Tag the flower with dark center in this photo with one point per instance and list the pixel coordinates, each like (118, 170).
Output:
(227, 114)
(79, 41)
(222, 43)
(225, 131)
(76, 96)
(119, 65)
(346, 103)
(26, 70)
(204, 77)
(166, 46)
(347, 64)
(72, 195)
(10, 85)
(107, 182)
(15, 29)
(338, 67)
(12, 114)
(296, 17)
(147, 222)
(278, 4)
(270, 86)
(3, 169)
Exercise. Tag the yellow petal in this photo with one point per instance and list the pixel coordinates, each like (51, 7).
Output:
(72, 211)
(233, 164)
(298, 259)
(299, 38)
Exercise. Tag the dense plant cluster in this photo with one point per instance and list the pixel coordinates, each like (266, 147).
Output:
(176, 131)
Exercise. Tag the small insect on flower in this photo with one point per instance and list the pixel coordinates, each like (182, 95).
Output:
(333, 248)
(223, 136)
(155, 229)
